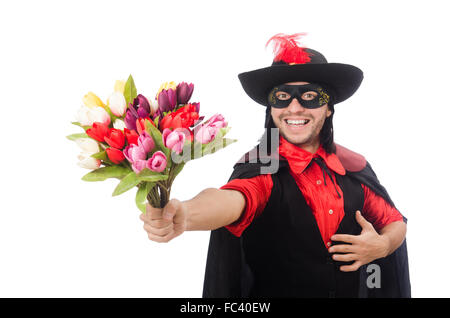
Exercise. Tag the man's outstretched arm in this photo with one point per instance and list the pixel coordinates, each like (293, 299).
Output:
(210, 209)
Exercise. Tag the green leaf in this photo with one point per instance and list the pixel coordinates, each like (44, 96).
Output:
(80, 125)
(217, 144)
(100, 155)
(104, 173)
(177, 169)
(141, 195)
(196, 151)
(130, 91)
(224, 130)
(103, 156)
(156, 121)
(74, 137)
(157, 138)
(149, 175)
(128, 182)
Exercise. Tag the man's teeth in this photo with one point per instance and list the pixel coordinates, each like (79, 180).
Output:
(297, 122)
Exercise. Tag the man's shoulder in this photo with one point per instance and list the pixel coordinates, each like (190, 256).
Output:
(351, 160)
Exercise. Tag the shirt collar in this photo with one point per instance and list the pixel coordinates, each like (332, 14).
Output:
(299, 158)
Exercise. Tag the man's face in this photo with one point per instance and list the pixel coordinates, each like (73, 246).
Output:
(291, 119)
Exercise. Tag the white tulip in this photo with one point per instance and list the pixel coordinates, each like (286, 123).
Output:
(117, 103)
(153, 106)
(119, 124)
(88, 145)
(87, 116)
(87, 162)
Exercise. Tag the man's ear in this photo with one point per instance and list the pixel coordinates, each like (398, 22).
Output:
(329, 112)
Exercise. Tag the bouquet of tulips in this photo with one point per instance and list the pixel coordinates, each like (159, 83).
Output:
(142, 142)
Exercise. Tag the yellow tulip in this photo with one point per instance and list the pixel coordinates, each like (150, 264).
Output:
(119, 86)
(166, 86)
(91, 100)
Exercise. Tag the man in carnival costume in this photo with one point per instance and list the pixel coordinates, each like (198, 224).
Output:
(300, 215)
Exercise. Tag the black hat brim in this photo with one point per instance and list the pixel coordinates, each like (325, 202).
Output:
(344, 79)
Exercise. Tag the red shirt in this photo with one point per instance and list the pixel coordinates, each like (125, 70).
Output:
(327, 207)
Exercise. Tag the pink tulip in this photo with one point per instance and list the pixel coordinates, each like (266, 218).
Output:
(138, 165)
(157, 162)
(217, 121)
(146, 142)
(174, 140)
(206, 134)
(134, 153)
(208, 131)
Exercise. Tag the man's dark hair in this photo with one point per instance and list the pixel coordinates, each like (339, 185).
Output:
(326, 135)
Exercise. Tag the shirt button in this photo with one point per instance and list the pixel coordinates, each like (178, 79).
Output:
(331, 211)
(319, 182)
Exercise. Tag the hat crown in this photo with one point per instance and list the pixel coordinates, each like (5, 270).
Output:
(315, 57)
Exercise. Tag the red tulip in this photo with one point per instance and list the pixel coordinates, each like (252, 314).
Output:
(131, 135)
(98, 131)
(115, 138)
(115, 155)
(140, 124)
(184, 117)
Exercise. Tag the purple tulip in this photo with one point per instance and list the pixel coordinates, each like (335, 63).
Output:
(184, 92)
(130, 119)
(167, 100)
(141, 102)
(142, 112)
(139, 109)
(197, 107)
(146, 142)
(174, 140)
(157, 162)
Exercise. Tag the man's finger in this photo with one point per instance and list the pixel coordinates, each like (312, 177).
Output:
(345, 257)
(158, 238)
(351, 268)
(153, 213)
(347, 238)
(342, 248)
(180, 217)
(159, 231)
(362, 221)
(171, 209)
(161, 223)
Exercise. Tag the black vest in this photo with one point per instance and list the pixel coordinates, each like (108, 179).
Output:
(282, 253)
(284, 248)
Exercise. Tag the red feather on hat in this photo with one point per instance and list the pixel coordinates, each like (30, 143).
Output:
(287, 48)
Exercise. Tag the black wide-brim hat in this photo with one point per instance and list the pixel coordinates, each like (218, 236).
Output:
(341, 80)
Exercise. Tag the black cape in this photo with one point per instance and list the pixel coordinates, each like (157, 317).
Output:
(228, 275)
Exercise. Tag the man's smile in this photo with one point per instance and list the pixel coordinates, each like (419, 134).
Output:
(296, 123)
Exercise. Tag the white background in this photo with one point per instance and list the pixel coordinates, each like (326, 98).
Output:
(63, 237)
